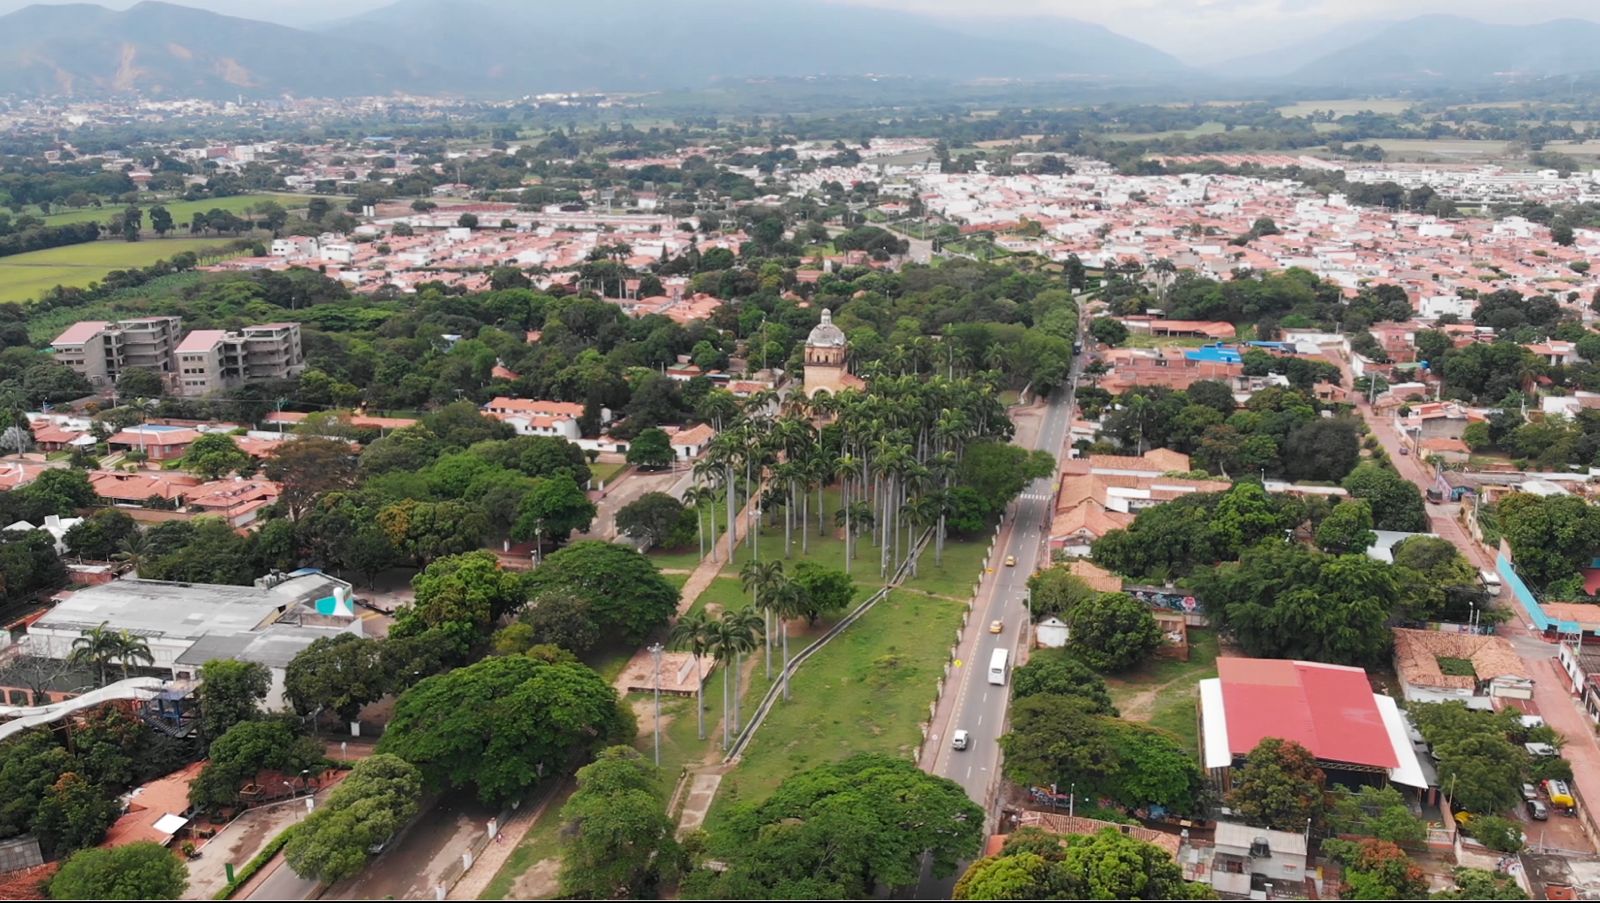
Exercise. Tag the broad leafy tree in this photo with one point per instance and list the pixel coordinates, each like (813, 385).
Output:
(1279, 786)
(621, 835)
(1347, 529)
(1058, 672)
(137, 871)
(650, 450)
(1396, 503)
(340, 674)
(247, 749)
(230, 692)
(841, 830)
(502, 724)
(215, 455)
(1113, 632)
(657, 519)
(628, 597)
(380, 795)
(465, 594)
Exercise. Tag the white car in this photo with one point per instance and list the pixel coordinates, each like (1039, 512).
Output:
(959, 741)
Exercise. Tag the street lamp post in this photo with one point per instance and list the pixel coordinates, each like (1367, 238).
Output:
(655, 655)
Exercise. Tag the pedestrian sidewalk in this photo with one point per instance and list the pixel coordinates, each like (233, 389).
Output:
(711, 566)
(488, 864)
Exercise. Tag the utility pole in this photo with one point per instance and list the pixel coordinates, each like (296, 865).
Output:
(655, 655)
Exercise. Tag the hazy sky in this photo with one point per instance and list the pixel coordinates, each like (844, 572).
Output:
(1192, 30)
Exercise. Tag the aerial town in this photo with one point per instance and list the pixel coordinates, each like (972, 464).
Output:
(1118, 470)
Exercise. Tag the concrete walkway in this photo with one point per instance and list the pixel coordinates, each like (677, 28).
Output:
(711, 566)
(494, 856)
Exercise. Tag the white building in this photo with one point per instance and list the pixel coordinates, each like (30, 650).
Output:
(186, 625)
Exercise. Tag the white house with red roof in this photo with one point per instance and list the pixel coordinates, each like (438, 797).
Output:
(539, 418)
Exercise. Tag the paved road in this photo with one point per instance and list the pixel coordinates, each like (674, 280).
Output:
(283, 884)
(979, 707)
(1552, 698)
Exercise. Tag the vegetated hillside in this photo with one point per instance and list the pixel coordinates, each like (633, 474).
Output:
(163, 50)
(1436, 50)
(649, 45)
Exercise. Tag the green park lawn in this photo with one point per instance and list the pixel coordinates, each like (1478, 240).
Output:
(866, 691)
(24, 277)
(183, 211)
(606, 471)
(1165, 692)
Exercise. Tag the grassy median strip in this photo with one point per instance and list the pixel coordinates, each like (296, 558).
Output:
(866, 691)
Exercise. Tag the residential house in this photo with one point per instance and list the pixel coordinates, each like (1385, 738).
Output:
(691, 443)
(1420, 657)
(157, 442)
(1244, 861)
(538, 418)
(54, 525)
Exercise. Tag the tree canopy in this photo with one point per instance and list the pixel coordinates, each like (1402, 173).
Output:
(1107, 865)
(1279, 787)
(379, 796)
(841, 830)
(627, 596)
(501, 724)
(137, 871)
(621, 835)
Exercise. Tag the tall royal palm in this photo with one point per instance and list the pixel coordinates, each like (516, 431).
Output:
(754, 628)
(762, 578)
(788, 603)
(692, 634)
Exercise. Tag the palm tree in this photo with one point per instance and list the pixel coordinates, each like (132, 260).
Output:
(135, 551)
(131, 648)
(754, 628)
(96, 648)
(788, 601)
(692, 632)
(727, 638)
(761, 578)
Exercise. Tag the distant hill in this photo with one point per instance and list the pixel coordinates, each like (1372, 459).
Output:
(163, 50)
(1433, 50)
(647, 44)
(1284, 59)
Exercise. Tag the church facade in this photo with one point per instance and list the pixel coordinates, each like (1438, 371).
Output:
(826, 367)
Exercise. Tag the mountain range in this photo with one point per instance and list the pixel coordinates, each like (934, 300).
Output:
(504, 48)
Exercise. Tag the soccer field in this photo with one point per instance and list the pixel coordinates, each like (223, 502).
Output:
(24, 277)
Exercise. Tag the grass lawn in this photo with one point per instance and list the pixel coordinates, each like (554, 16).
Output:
(725, 593)
(1163, 692)
(608, 659)
(867, 691)
(543, 841)
(26, 276)
(184, 211)
(827, 549)
(604, 472)
(958, 571)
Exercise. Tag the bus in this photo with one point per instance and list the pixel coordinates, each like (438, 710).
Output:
(997, 667)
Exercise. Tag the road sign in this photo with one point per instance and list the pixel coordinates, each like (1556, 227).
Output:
(958, 663)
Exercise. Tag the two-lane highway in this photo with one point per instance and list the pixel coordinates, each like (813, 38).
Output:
(979, 707)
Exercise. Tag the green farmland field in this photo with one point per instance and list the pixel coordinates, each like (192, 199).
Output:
(182, 211)
(24, 277)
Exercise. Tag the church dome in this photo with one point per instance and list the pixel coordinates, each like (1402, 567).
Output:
(826, 335)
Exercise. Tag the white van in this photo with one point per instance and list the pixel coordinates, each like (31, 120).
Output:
(959, 741)
(997, 667)
(1490, 580)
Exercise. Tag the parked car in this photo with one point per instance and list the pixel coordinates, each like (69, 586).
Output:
(1530, 792)
(1537, 810)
